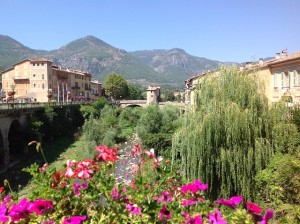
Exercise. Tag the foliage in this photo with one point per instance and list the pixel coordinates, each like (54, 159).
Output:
(279, 183)
(156, 127)
(229, 134)
(135, 93)
(50, 113)
(84, 190)
(94, 109)
(116, 87)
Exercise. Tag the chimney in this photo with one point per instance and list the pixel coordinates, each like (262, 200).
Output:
(284, 53)
(277, 56)
(261, 62)
(248, 64)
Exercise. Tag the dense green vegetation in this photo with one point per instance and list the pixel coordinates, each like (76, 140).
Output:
(229, 139)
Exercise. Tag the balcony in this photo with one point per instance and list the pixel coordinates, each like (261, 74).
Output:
(21, 77)
(75, 87)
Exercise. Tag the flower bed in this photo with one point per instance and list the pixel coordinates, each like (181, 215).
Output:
(85, 192)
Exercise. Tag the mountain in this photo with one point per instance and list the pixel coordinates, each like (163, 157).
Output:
(93, 55)
(11, 51)
(175, 65)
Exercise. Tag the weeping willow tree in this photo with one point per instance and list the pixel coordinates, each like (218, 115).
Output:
(227, 137)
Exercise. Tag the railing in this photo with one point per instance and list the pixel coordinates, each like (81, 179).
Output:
(18, 106)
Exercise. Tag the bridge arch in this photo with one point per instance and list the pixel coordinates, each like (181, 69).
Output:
(131, 105)
(15, 139)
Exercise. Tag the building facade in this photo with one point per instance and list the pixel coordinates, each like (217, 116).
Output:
(280, 77)
(40, 81)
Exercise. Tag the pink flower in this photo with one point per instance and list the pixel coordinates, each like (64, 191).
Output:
(83, 169)
(134, 209)
(164, 213)
(107, 154)
(157, 161)
(189, 220)
(136, 150)
(165, 197)
(20, 210)
(3, 214)
(267, 216)
(44, 168)
(188, 202)
(253, 208)
(74, 220)
(194, 187)
(39, 206)
(114, 194)
(150, 153)
(215, 218)
(77, 187)
(232, 202)
(70, 163)
(69, 172)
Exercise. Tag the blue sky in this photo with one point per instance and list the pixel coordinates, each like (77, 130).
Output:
(224, 30)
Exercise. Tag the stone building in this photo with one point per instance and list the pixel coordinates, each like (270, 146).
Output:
(153, 94)
(39, 80)
(280, 77)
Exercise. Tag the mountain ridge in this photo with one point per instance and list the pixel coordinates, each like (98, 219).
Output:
(93, 55)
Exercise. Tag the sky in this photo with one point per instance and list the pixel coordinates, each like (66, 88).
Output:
(223, 30)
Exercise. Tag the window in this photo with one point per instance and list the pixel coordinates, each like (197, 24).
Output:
(33, 64)
(43, 76)
(33, 75)
(42, 64)
(37, 64)
(285, 80)
(43, 86)
(34, 85)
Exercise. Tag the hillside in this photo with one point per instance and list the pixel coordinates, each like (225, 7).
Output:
(169, 67)
(175, 64)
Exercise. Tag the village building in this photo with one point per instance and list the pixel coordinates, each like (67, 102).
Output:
(39, 80)
(280, 77)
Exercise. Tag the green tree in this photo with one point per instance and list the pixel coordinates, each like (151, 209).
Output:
(94, 108)
(156, 127)
(229, 134)
(116, 87)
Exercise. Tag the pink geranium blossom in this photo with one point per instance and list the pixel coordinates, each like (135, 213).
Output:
(84, 170)
(107, 154)
(74, 220)
(136, 150)
(231, 203)
(150, 153)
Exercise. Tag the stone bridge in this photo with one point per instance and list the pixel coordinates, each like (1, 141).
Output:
(13, 123)
(143, 103)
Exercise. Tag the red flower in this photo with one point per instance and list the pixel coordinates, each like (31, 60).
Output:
(253, 208)
(56, 179)
(107, 154)
(1, 189)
